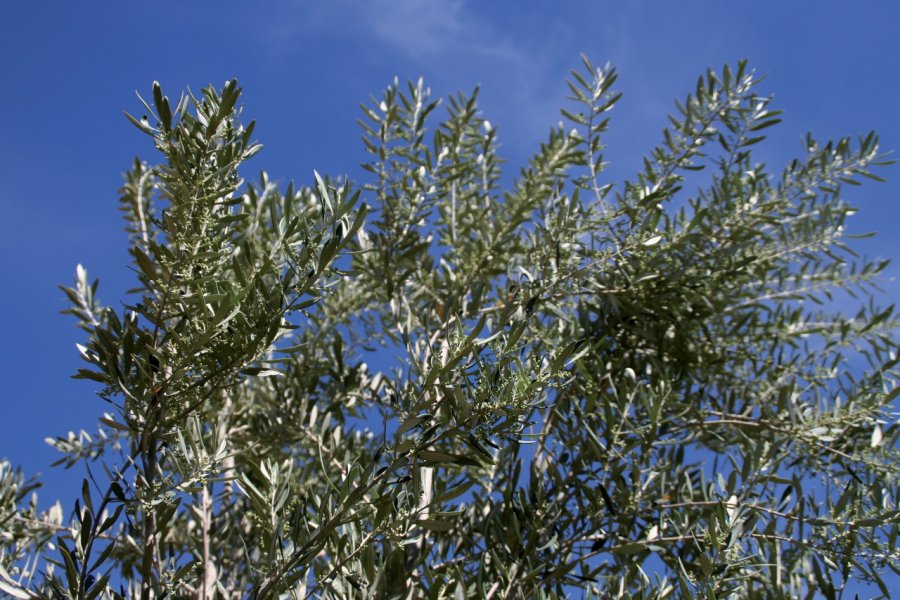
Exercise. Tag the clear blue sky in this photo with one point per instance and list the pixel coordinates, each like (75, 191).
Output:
(69, 69)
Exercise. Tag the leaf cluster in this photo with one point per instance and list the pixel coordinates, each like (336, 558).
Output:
(560, 384)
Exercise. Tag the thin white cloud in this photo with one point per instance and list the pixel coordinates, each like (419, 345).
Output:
(416, 28)
(420, 30)
(454, 45)
(424, 30)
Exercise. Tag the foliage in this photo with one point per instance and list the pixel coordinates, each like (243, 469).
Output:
(487, 391)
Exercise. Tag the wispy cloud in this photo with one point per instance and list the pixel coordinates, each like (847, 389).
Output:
(424, 30)
(420, 30)
(518, 60)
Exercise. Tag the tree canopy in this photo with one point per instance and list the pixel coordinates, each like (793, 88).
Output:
(433, 383)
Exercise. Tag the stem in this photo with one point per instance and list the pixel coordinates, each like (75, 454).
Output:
(208, 585)
(149, 529)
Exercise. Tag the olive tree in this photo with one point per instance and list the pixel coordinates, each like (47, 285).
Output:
(432, 383)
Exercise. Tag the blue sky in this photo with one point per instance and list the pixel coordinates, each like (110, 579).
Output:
(70, 69)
